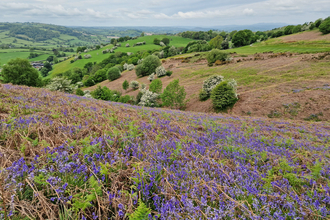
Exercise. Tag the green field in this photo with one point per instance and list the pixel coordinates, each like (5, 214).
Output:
(5, 57)
(276, 45)
(98, 56)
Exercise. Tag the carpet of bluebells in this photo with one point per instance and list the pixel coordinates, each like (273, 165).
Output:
(69, 157)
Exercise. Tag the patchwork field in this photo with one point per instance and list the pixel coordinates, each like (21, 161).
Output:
(69, 157)
(98, 56)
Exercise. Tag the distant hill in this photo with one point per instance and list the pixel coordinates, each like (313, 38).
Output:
(137, 30)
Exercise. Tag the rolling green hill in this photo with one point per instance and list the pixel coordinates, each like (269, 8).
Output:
(98, 56)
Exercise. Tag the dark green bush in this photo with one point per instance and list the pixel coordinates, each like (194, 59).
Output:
(169, 73)
(288, 29)
(20, 72)
(174, 95)
(124, 99)
(106, 94)
(156, 86)
(100, 76)
(80, 92)
(113, 73)
(325, 26)
(138, 98)
(215, 55)
(125, 85)
(88, 82)
(148, 66)
(296, 29)
(203, 95)
(223, 96)
(318, 22)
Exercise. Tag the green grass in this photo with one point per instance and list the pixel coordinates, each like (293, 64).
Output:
(276, 45)
(5, 57)
(256, 78)
(98, 56)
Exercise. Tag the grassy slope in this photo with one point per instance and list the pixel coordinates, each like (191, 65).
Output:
(97, 55)
(279, 45)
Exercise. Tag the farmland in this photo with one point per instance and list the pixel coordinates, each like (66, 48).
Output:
(98, 56)
(71, 157)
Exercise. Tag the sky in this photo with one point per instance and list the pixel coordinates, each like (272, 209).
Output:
(197, 13)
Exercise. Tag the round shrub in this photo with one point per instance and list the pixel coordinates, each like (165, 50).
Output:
(211, 82)
(149, 99)
(130, 67)
(134, 85)
(120, 67)
(318, 22)
(223, 96)
(124, 99)
(174, 95)
(88, 82)
(151, 77)
(325, 26)
(138, 98)
(148, 66)
(61, 84)
(100, 76)
(203, 95)
(156, 86)
(125, 85)
(215, 55)
(296, 29)
(160, 71)
(113, 73)
(169, 73)
(20, 72)
(80, 92)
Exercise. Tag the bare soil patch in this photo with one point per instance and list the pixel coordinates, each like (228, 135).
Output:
(293, 87)
(306, 36)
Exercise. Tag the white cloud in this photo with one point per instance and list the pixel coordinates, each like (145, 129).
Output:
(248, 11)
(169, 12)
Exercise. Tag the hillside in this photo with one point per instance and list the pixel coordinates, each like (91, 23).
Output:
(68, 157)
(98, 56)
(18, 40)
(291, 86)
(303, 42)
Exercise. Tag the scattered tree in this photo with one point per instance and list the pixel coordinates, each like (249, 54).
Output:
(288, 29)
(156, 86)
(215, 55)
(61, 84)
(160, 71)
(125, 85)
(166, 41)
(174, 95)
(20, 72)
(223, 96)
(79, 92)
(216, 42)
(156, 41)
(318, 22)
(134, 85)
(113, 73)
(325, 26)
(148, 66)
(296, 29)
